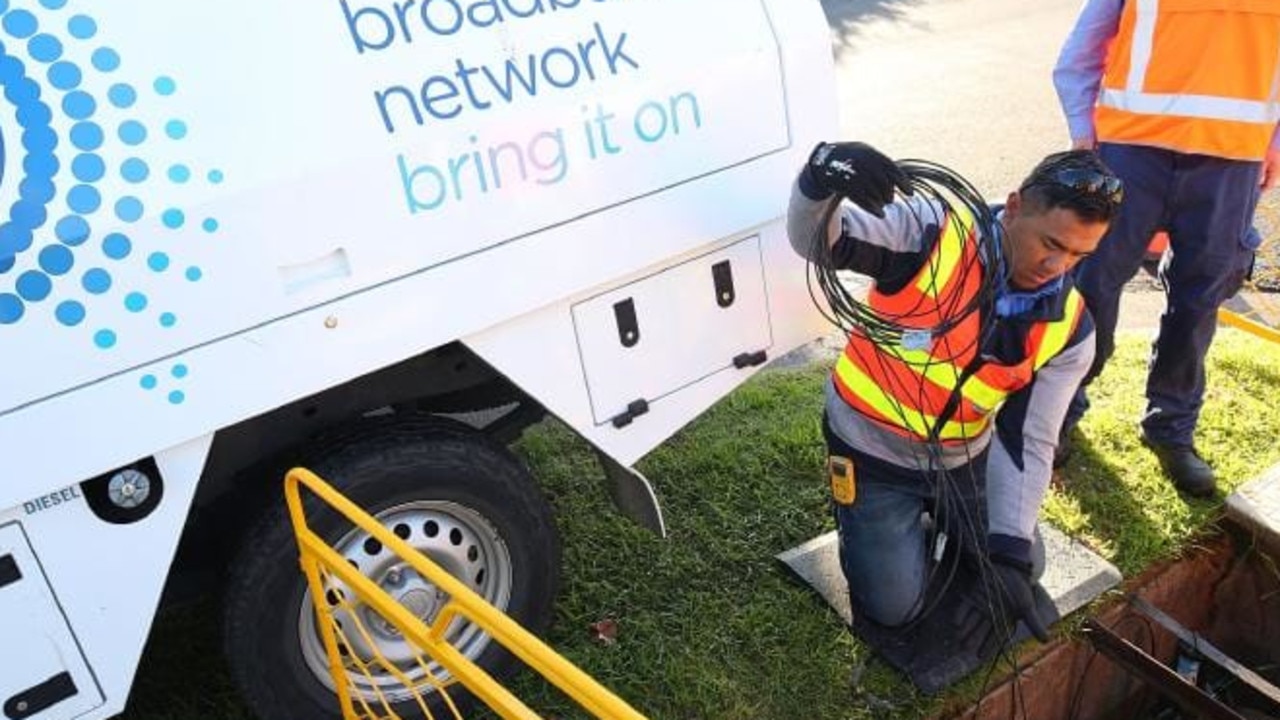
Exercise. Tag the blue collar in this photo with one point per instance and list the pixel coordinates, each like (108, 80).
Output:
(1011, 302)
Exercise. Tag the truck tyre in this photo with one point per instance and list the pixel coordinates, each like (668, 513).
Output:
(465, 501)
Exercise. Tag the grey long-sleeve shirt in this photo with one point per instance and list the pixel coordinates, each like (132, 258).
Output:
(1025, 431)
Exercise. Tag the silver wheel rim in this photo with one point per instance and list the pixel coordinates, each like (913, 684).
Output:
(456, 538)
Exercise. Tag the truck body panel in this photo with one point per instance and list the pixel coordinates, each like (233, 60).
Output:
(218, 209)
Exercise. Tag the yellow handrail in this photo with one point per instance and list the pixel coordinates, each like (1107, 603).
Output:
(1254, 327)
(316, 554)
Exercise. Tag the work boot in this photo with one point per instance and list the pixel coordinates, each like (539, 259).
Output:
(1183, 464)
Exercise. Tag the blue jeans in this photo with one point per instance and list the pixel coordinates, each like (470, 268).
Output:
(888, 534)
(1206, 204)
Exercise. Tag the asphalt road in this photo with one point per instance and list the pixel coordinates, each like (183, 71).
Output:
(966, 83)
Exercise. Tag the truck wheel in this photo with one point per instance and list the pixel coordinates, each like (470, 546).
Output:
(465, 501)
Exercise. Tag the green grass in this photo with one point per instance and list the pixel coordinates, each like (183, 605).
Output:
(710, 625)
(1113, 496)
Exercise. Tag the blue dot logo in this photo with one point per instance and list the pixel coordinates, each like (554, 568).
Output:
(135, 170)
(45, 48)
(106, 60)
(129, 209)
(122, 95)
(20, 24)
(96, 281)
(133, 132)
(117, 246)
(64, 75)
(135, 302)
(57, 259)
(34, 286)
(89, 235)
(11, 308)
(72, 229)
(86, 136)
(88, 167)
(82, 27)
(70, 313)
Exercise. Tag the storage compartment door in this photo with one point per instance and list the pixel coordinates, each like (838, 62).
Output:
(43, 674)
(653, 337)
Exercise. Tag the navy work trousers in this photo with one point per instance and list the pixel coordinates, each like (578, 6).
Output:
(888, 535)
(1206, 205)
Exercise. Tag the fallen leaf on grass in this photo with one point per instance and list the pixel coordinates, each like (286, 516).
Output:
(604, 632)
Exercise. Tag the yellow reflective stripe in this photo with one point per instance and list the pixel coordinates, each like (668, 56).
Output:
(1203, 107)
(946, 255)
(983, 395)
(1058, 332)
(946, 374)
(910, 419)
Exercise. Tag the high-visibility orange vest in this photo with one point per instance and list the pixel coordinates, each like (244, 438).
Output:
(1197, 76)
(906, 388)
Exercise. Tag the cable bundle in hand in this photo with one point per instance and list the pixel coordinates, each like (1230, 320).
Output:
(951, 197)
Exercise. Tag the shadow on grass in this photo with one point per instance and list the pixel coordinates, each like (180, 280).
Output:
(1130, 506)
(846, 18)
(1113, 494)
(1115, 516)
(183, 675)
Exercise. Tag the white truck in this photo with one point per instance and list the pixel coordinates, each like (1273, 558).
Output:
(377, 238)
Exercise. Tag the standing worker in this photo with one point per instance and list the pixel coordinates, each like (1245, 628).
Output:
(1180, 99)
(943, 410)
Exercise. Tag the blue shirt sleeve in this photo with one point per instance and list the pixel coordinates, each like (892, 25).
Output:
(1078, 73)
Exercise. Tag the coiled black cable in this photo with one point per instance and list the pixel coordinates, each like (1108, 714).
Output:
(948, 197)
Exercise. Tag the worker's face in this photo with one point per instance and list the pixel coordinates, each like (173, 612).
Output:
(1043, 245)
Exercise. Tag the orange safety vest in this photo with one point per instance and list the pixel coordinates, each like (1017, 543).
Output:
(1196, 76)
(907, 388)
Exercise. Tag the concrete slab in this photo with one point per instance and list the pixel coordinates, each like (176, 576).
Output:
(817, 564)
(1256, 505)
(1074, 574)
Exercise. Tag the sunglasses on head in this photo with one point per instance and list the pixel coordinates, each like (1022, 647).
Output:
(1084, 180)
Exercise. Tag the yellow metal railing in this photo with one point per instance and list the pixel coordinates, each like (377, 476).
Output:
(1236, 320)
(330, 577)
(1239, 320)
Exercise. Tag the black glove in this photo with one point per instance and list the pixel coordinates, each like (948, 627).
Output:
(971, 623)
(858, 172)
(1013, 582)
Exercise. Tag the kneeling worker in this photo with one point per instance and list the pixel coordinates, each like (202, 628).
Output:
(942, 413)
